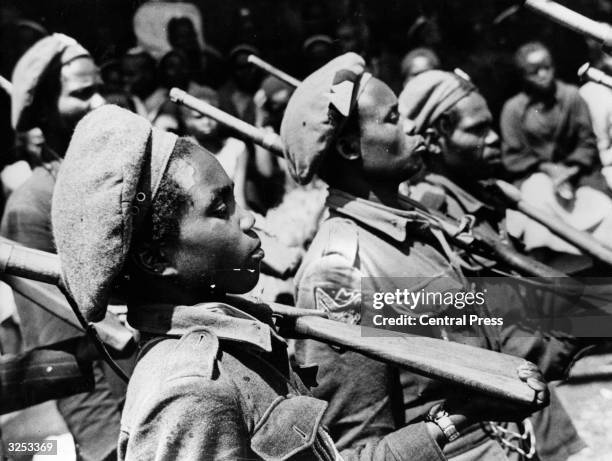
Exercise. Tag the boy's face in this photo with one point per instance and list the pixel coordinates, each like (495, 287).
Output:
(472, 147)
(216, 243)
(200, 126)
(80, 91)
(138, 75)
(538, 71)
(388, 150)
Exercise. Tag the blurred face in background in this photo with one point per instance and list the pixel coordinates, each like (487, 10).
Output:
(139, 74)
(79, 92)
(246, 75)
(182, 35)
(174, 71)
(199, 126)
(538, 71)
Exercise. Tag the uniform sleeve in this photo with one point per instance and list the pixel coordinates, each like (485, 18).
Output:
(585, 154)
(191, 418)
(364, 395)
(518, 158)
(411, 443)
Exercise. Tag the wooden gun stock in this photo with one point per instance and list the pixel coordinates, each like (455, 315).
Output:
(34, 275)
(477, 369)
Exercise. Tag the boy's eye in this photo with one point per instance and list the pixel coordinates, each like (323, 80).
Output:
(392, 117)
(220, 210)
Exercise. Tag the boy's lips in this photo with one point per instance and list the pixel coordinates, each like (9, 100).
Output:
(258, 252)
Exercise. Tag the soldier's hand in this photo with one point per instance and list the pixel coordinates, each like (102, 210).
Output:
(484, 408)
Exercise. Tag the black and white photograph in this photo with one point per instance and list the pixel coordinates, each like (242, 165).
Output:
(306, 230)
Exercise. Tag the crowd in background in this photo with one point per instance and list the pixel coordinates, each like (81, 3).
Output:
(555, 139)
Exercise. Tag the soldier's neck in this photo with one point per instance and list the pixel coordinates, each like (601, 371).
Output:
(385, 192)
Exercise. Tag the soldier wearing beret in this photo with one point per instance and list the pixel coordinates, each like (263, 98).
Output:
(155, 214)
(344, 125)
(55, 83)
(463, 152)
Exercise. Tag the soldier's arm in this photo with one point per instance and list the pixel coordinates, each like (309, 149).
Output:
(191, 418)
(410, 443)
(365, 403)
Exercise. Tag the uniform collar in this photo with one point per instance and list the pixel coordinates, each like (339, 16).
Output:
(468, 202)
(390, 221)
(223, 320)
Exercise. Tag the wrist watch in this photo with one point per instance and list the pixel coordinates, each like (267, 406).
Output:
(440, 417)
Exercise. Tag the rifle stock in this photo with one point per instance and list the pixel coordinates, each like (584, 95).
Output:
(34, 276)
(477, 369)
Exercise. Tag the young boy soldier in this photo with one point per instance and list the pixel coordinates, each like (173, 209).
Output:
(55, 83)
(344, 125)
(137, 207)
(463, 152)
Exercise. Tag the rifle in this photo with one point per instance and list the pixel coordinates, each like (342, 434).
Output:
(471, 240)
(586, 72)
(477, 369)
(598, 31)
(270, 69)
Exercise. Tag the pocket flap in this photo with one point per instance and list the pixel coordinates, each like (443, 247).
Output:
(289, 426)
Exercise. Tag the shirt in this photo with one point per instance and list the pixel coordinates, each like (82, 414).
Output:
(213, 382)
(556, 436)
(367, 239)
(560, 132)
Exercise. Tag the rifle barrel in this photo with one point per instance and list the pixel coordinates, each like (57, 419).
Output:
(270, 141)
(587, 72)
(269, 68)
(577, 22)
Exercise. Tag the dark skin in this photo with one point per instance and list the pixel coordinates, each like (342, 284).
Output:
(216, 251)
(374, 162)
(79, 94)
(469, 146)
(538, 73)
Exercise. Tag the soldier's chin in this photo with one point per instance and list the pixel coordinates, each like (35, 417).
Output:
(240, 281)
(416, 172)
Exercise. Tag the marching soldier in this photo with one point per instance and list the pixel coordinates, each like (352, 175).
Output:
(139, 209)
(344, 125)
(464, 152)
(55, 83)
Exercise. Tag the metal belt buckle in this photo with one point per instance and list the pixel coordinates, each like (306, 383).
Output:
(522, 443)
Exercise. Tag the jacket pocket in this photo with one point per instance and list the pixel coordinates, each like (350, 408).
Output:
(288, 430)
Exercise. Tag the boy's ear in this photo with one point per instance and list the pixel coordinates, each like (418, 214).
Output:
(152, 260)
(348, 147)
(444, 125)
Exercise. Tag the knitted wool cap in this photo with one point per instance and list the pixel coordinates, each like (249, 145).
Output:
(316, 112)
(107, 181)
(430, 94)
(30, 71)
